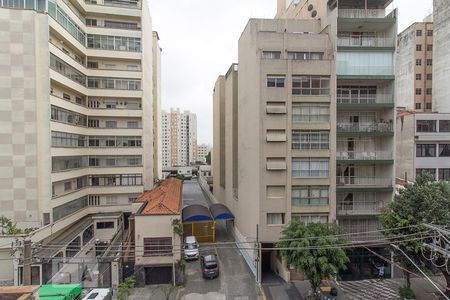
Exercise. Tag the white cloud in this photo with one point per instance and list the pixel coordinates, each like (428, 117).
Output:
(199, 41)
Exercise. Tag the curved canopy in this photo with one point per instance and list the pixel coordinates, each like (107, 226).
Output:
(196, 213)
(220, 212)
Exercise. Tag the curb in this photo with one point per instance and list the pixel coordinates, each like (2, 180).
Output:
(262, 291)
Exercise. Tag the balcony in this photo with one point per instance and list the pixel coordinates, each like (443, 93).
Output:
(118, 3)
(361, 41)
(366, 129)
(356, 207)
(365, 13)
(358, 181)
(365, 100)
(367, 156)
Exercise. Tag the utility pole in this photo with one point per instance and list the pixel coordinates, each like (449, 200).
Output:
(27, 262)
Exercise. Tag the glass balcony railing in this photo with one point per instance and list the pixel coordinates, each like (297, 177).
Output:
(364, 127)
(363, 155)
(365, 99)
(365, 63)
(359, 207)
(364, 13)
(360, 41)
(370, 181)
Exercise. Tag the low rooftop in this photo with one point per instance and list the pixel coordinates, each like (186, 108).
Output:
(165, 199)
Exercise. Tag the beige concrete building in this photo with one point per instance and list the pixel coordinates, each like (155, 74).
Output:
(178, 138)
(315, 117)
(414, 68)
(76, 109)
(202, 152)
(157, 131)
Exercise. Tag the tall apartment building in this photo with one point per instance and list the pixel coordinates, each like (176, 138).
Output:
(414, 68)
(157, 132)
(178, 138)
(424, 137)
(76, 108)
(202, 152)
(315, 107)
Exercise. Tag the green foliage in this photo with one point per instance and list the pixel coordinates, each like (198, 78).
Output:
(10, 228)
(124, 288)
(426, 201)
(316, 264)
(208, 158)
(406, 293)
(177, 227)
(181, 177)
(167, 290)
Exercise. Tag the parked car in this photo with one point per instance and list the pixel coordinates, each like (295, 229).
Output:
(210, 266)
(190, 248)
(99, 294)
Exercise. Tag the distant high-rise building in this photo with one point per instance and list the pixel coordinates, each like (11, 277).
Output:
(423, 136)
(76, 108)
(202, 152)
(178, 138)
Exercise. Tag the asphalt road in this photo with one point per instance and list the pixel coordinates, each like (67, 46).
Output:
(235, 280)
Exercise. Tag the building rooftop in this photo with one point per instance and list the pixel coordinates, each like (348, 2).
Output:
(164, 199)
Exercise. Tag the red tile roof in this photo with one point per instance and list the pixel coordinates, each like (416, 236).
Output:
(164, 199)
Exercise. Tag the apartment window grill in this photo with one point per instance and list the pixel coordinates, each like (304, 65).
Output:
(158, 246)
(426, 125)
(310, 113)
(309, 195)
(444, 125)
(310, 85)
(426, 150)
(305, 55)
(310, 168)
(310, 140)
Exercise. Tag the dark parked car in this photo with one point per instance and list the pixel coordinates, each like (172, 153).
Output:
(210, 266)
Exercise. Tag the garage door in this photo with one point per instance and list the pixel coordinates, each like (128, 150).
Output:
(158, 275)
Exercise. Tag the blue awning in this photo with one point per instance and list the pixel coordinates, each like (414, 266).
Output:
(196, 213)
(220, 212)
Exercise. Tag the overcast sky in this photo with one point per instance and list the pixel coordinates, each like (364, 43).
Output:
(199, 42)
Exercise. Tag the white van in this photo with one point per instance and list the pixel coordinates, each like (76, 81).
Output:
(190, 248)
(99, 294)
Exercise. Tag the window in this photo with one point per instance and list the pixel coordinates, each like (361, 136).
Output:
(309, 219)
(418, 91)
(310, 167)
(430, 32)
(66, 70)
(429, 91)
(426, 125)
(67, 186)
(418, 106)
(275, 81)
(117, 43)
(66, 96)
(430, 76)
(310, 85)
(93, 123)
(429, 171)
(105, 225)
(68, 208)
(444, 150)
(91, 22)
(418, 76)
(307, 140)
(305, 55)
(418, 32)
(275, 219)
(444, 174)
(429, 47)
(158, 246)
(120, 25)
(69, 140)
(444, 125)
(310, 113)
(418, 62)
(309, 195)
(92, 65)
(65, 21)
(426, 150)
(111, 124)
(132, 124)
(418, 47)
(429, 62)
(271, 54)
(428, 105)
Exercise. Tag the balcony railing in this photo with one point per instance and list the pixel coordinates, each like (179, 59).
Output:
(360, 41)
(364, 13)
(365, 155)
(360, 208)
(365, 99)
(364, 127)
(363, 181)
(120, 3)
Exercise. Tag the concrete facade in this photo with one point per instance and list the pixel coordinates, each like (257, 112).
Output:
(76, 109)
(414, 68)
(202, 152)
(157, 131)
(178, 138)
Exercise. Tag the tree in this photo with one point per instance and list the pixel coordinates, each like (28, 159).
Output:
(123, 288)
(9, 228)
(317, 264)
(426, 201)
(208, 158)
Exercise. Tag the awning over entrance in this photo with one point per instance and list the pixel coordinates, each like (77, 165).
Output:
(220, 212)
(196, 213)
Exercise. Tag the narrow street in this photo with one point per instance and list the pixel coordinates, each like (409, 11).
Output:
(235, 281)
